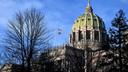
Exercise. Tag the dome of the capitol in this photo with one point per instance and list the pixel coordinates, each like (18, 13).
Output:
(89, 29)
(88, 20)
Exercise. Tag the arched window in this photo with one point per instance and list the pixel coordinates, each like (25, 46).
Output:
(88, 34)
(96, 35)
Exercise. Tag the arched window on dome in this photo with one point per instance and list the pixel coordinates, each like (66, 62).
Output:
(88, 34)
(96, 35)
(80, 35)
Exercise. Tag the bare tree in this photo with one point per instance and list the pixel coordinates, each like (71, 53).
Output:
(26, 36)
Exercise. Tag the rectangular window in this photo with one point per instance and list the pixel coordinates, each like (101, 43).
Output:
(88, 34)
(73, 36)
(80, 35)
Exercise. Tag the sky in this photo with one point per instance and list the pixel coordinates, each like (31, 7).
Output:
(60, 14)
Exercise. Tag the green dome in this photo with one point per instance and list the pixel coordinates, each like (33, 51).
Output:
(88, 21)
(88, 29)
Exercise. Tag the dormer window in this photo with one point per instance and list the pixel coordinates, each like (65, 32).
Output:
(89, 19)
(82, 19)
(77, 20)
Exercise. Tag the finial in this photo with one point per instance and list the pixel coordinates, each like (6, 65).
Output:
(88, 2)
(89, 8)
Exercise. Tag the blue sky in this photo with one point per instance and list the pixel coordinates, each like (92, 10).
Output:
(60, 14)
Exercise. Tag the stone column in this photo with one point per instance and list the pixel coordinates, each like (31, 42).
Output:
(93, 36)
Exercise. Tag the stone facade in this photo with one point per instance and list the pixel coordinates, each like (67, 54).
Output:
(64, 59)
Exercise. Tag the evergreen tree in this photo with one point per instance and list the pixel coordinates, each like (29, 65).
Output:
(118, 42)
